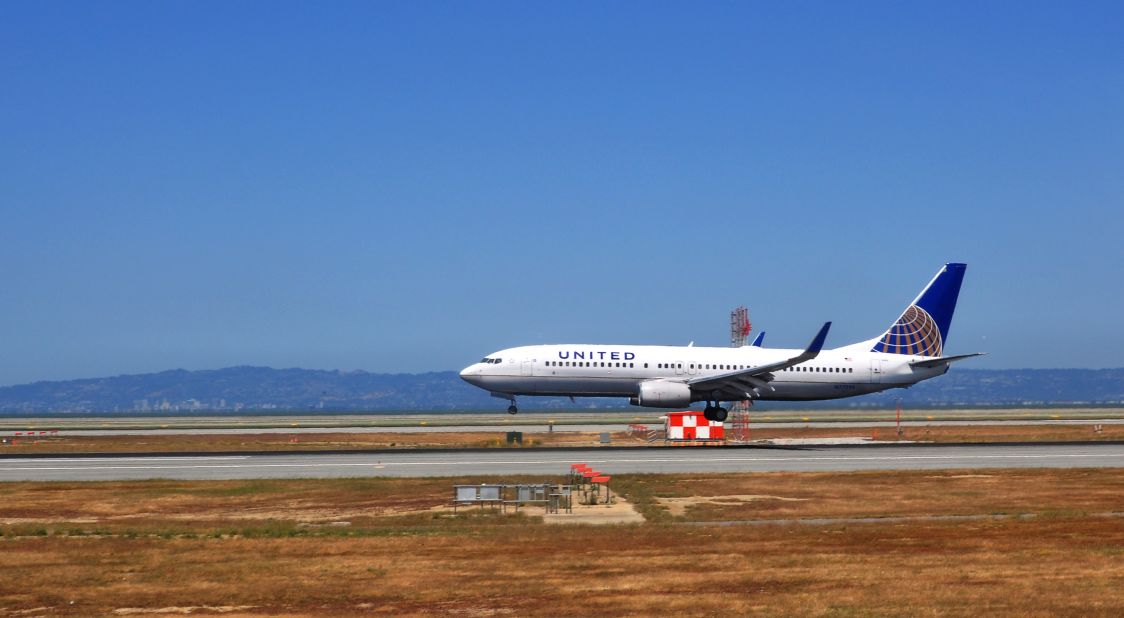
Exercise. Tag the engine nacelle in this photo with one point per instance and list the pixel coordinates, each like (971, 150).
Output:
(662, 394)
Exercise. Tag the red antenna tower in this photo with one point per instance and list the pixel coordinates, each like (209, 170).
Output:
(740, 328)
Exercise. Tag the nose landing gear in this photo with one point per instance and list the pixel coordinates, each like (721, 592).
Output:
(512, 409)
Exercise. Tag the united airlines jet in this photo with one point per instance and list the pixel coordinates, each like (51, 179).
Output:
(910, 351)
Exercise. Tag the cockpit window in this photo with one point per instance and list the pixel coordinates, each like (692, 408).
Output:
(491, 361)
(497, 360)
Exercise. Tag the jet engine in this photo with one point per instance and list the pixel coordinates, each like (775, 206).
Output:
(662, 394)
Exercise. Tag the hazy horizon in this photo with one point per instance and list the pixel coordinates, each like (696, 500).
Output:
(961, 367)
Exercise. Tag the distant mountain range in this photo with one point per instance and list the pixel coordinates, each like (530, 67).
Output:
(253, 389)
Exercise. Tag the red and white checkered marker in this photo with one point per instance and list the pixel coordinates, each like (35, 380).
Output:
(691, 425)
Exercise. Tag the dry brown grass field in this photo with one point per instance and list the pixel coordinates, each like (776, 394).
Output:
(1028, 543)
(474, 439)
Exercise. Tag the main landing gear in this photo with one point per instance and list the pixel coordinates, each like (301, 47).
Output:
(715, 412)
(512, 409)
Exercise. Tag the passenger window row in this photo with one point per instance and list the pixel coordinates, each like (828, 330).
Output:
(720, 367)
(798, 368)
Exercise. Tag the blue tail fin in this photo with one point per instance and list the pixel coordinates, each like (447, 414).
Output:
(923, 329)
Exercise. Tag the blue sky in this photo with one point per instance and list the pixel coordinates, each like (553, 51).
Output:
(408, 186)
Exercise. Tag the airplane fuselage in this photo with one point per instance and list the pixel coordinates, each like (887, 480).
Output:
(617, 371)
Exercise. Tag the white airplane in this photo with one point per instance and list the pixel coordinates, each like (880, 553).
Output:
(677, 376)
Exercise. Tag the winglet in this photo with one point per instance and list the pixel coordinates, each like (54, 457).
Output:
(817, 343)
(758, 340)
(813, 349)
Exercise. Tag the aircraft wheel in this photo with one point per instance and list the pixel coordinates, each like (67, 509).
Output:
(512, 409)
(720, 414)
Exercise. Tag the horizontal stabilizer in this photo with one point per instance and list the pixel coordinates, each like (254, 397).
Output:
(944, 360)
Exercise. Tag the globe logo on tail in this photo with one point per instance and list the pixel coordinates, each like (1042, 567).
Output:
(915, 333)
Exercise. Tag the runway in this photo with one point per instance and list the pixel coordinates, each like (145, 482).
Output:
(553, 462)
(530, 422)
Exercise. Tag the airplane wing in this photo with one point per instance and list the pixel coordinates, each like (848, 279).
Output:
(944, 360)
(746, 381)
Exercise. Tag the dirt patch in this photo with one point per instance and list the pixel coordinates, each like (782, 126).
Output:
(677, 507)
(619, 512)
(962, 476)
(218, 609)
(25, 612)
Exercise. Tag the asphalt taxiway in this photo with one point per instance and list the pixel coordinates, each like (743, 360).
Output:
(552, 462)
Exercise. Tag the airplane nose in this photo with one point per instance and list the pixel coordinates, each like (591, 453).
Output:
(468, 374)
